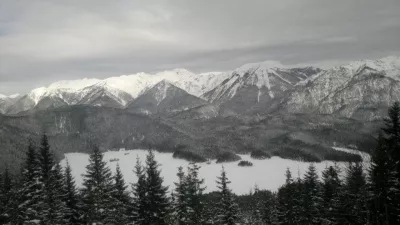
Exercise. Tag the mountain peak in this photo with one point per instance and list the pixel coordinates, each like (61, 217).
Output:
(261, 66)
(390, 64)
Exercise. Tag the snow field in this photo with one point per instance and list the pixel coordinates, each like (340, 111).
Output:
(266, 174)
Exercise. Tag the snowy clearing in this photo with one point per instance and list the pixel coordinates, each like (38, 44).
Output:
(266, 174)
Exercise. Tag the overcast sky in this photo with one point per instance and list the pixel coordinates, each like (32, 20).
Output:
(48, 40)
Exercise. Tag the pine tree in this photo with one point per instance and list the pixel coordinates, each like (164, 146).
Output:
(139, 191)
(392, 133)
(157, 201)
(286, 201)
(179, 206)
(331, 185)
(97, 190)
(121, 199)
(6, 185)
(311, 196)
(52, 178)
(71, 197)
(28, 204)
(354, 197)
(227, 209)
(194, 193)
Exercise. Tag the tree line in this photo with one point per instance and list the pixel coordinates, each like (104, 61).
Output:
(46, 193)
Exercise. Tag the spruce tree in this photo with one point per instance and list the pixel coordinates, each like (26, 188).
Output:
(6, 185)
(331, 185)
(392, 135)
(53, 195)
(121, 199)
(157, 201)
(286, 201)
(71, 197)
(139, 191)
(355, 193)
(28, 203)
(97, 190)
(227, 209)
(179, 200)
(194, 195)
(311, 196)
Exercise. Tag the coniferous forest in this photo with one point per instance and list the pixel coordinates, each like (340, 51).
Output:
(45, 193)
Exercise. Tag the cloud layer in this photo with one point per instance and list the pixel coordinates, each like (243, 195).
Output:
(44, 41)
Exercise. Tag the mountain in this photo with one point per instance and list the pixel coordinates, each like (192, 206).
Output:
(101, 94)
(256, 84)
(111, 92)
(7, 101)
(362, 89)
(162, 98)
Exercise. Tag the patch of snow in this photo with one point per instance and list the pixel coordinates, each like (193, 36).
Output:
(266, 174)
(365, 156)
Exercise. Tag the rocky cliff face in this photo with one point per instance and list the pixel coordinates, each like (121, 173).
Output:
(362, 90)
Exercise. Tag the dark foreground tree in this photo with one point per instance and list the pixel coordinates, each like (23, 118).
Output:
(392, 142)
(139, 204)
(28, 203)
(121, 199)
(227, 209)
(6, 194)
(52, 178)
(331, 186)
(97, 190)
(157, 202)
(179, 201)
(311, 197)
(71, 198)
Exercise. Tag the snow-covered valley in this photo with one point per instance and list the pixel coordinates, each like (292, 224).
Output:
(266, 174)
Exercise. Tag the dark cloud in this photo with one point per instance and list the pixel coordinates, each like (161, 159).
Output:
(44, 41)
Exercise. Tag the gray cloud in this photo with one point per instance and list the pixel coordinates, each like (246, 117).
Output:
(44, 41)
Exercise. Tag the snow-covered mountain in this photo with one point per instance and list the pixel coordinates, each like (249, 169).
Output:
(257, 84)
(113, 91)
(164, 97)
(7, 101)
(361, 89)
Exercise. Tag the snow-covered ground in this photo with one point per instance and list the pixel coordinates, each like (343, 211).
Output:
(266, 174)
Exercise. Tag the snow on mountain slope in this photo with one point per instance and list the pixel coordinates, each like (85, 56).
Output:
(256, 85)
(114, 89)
(271, 75)
(362, 89)
(266, 174)
(102, 94)
(195, 84)
(7, 101)
(164, 97)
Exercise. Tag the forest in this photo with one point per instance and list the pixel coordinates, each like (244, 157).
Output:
(45, 193)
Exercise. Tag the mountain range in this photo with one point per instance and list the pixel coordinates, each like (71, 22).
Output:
(298, 112)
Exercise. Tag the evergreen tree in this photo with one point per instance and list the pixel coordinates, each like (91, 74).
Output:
(6, 185)
(157, 201)
(331, 185)
(194, 195)
(28, 205)
(179, 201)
(392, 133)
(121, 199)
(139, 191)
(311, 197)
(52, 178)
(71, 197)
(227, 210)
(97, 190)
(286, 201)
(354, 195)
